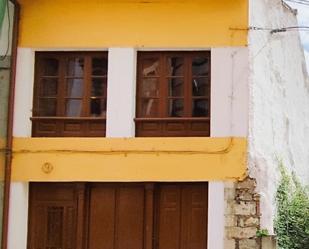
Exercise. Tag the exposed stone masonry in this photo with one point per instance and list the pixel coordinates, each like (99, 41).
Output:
(242, 215)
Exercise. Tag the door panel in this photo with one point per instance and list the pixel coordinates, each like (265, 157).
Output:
(116, 217)
(182, 215)
(101, 218)
(52, 222)
(169, 217)
(129, 218)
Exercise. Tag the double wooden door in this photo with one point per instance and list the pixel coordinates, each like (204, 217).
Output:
(118, 216)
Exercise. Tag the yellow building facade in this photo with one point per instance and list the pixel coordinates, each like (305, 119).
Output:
(123, 29)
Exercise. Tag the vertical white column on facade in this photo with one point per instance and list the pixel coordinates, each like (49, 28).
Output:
(229, 117)
(121, 92)
(216, 215)
(229, 92)
(18, 216)
(23, 92)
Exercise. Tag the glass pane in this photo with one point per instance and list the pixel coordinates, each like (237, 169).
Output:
(200, 66)
(98, 107)
(50, 67)
(75, 67)
(98, 87)
(149, 108)
(47, 107)
(175, 87)
(175, 66)
(150, 87)
(200, 87)
(200, 108)
(99, 66)
(49, 87)
(73, 108)
(175, 108)
(150, 67)
(74, 88)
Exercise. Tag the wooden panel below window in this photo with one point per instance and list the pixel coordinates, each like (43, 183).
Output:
(164, 127)
(57, 127)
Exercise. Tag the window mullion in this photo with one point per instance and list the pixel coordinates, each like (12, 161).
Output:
(87, 79)
(163, 87)
(61, 87)
(187, 88)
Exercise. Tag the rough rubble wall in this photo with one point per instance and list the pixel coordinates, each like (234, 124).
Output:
(242, 215)
(279, 101)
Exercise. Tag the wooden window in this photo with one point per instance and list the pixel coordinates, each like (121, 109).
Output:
(70, 94)
(115, 216)
(173, 94)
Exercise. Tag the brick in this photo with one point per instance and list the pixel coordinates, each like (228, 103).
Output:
(245, 208)
(241, 232)
(248, 244)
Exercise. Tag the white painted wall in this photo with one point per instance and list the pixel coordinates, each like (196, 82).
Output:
(216, 207)
(23, 92)
(18, 216)
(121, 92)
(229, 92)
(279, 102)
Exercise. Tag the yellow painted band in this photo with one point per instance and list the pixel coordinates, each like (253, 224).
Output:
(132, 23)
(134, 159)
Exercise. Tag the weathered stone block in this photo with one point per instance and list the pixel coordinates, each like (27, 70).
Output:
(229, 193)
(248, 183)
(229, 184)
(269, 242)
(230, 221)
(244, 195)
(245, 208)
(248, 244)
(229, 244)
(241, 232)
(229, 207)
(249, 221)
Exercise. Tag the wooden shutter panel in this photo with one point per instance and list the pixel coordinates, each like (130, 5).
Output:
(52, 216)
(182, 216)
(116, 218)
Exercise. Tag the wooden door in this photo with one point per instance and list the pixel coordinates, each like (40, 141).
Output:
(118, 216)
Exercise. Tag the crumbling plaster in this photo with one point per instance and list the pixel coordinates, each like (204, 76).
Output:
(279, 102)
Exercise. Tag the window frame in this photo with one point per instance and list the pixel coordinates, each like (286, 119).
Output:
(56, 125)
(163, 120)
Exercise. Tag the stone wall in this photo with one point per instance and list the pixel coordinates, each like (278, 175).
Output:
(242, 215)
